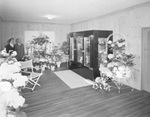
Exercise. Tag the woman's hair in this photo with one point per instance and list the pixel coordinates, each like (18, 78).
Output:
(9, 40)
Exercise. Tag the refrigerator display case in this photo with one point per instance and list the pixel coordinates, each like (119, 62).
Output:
(85, 47)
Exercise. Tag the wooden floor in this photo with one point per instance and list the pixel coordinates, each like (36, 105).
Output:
(55, 99)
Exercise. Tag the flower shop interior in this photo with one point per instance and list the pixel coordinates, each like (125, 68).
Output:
(74, 58)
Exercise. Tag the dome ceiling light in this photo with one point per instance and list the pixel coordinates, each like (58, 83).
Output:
(50, 17)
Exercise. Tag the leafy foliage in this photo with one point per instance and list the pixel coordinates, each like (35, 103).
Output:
(65, 47)
(40, 40)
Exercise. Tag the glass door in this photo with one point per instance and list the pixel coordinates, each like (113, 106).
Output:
(87, 51)
(72, 49)
(102, 48)
(80, 49)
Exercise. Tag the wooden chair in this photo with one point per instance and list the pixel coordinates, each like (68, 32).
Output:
(33, 77)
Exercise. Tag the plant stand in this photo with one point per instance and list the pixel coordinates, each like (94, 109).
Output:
(119, 84)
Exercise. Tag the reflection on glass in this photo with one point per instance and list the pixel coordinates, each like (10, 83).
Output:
(80, 49)
(87, 51)
(72, 49)
(101, 48)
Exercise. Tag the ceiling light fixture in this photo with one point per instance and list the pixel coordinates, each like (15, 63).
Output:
(50, 17)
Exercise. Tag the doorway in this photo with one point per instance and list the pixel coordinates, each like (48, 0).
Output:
(145, 78)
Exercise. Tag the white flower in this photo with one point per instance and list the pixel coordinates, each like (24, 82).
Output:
(10, 115)
(20, 82)
(105, 52)
(5, 73)
(98, 80)
(42, 60)
(100, 51)
(5, 86)
(17, 101)
(101, 67)
(109, 42)
(121, 69)
(16, 76)
(14, 53)
(110, 56)
(115, 69)
(120, 44)
(4, 53)
(105, 61)
(4, 64)
(14, 69)
(119, 74)
(13, 99)
(112, 45)
(10, 62)
(17, 64)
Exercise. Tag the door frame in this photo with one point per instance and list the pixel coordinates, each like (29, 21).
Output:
(142, 55)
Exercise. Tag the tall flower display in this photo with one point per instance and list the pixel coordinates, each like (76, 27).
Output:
(36, 50)
(117, 66)
(45, 53)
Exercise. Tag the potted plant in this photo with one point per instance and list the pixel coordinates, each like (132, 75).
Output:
(53, 66)
(58, 63)
(58, 59)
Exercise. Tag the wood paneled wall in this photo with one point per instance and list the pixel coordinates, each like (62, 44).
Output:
(17, 29)
(129, 23)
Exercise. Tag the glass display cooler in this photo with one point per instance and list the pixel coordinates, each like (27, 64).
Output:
(85, 46)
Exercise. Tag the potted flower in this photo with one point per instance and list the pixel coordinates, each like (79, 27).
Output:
(53, 66)
(58, 63)
(58, 59)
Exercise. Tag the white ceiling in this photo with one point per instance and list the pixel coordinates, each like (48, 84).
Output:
(67, 11)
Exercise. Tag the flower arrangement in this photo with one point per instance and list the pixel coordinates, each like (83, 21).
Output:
(11, 81)
(101, 83)
(55, 57)
(57, 53)
(36, 50)
(117, 66)
(12, 53)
